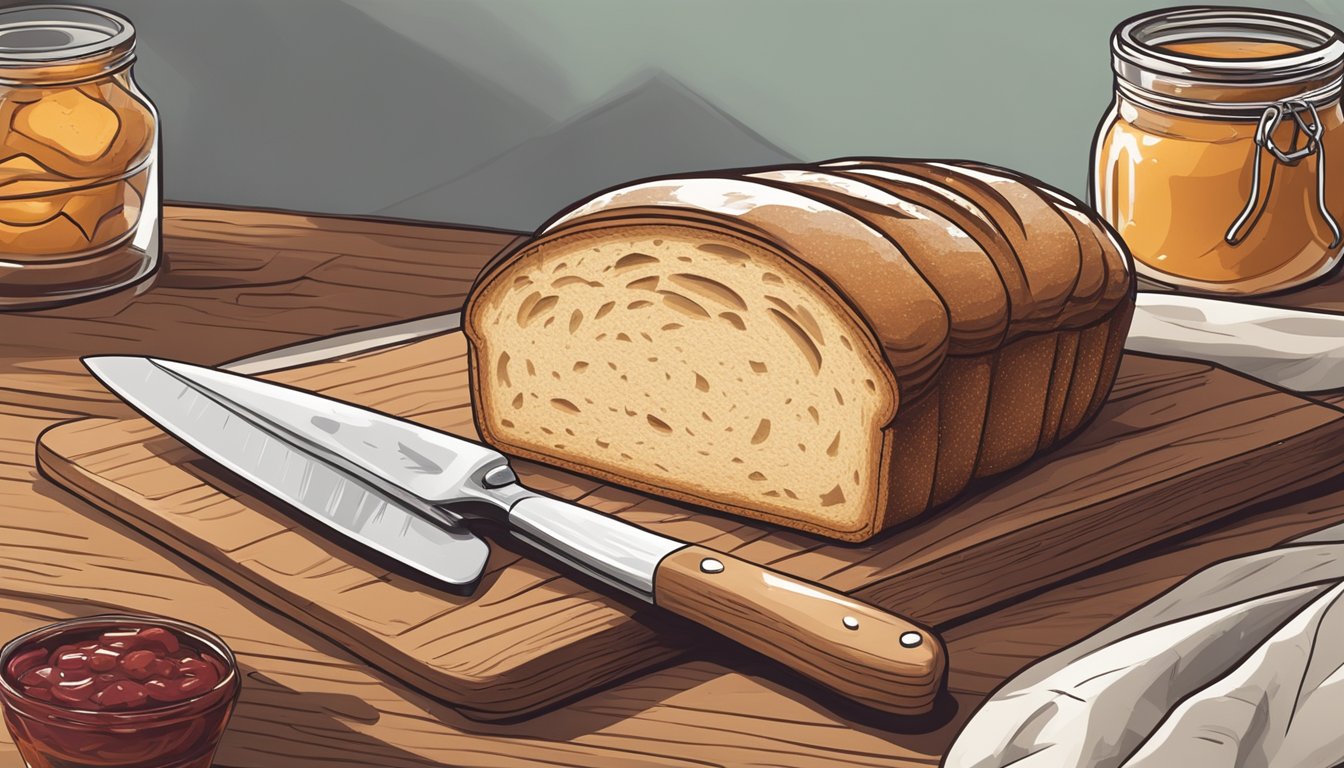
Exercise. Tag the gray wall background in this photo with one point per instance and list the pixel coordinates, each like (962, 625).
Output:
(500, 112)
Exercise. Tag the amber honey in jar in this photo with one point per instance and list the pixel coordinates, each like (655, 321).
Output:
(79, 191)
(1221, 160)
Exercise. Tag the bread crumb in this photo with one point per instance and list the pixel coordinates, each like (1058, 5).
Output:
(632, 260)
(734, 320)
(833, 497)
(762, 432)
(643, 284)
(684, 305)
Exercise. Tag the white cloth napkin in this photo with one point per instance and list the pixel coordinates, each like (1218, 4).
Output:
(1239, 666)
(1293, 349)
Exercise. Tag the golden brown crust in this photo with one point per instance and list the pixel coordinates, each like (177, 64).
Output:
(1032, 226)
(1061, 381)
(1102, 267)
(1017, 396)
(957, 268)
(964, 213)
(1121, 280)
(1094, 270)
(1087, 368)
(964, 394)
(1117, 330)
(999, 306)
(914, 449)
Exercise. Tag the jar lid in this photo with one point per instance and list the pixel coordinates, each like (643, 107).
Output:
(46, 43)
(1156, 59)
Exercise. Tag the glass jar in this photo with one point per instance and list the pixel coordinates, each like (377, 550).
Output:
(79, 148)
(57, 723)
(1212, 161)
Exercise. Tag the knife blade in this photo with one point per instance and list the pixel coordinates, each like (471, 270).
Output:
(372, 516)
(408, 492)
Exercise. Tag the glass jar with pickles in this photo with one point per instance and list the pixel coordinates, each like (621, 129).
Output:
(79, 150)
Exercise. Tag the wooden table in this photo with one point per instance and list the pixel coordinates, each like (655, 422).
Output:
(240, 282)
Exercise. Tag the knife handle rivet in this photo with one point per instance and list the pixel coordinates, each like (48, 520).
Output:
(850, 622)
(710, 565)
(498, 477)
(911, 639)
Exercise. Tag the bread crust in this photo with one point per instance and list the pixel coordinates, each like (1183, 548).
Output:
(999, 307)
(956, 267)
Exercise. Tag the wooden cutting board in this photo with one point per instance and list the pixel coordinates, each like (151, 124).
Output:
(1178, 446)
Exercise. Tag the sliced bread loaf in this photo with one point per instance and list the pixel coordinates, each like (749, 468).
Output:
(833, 348)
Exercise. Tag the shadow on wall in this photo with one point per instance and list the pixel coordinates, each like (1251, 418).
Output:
(315, 105)
(501, 113)
(653, 126)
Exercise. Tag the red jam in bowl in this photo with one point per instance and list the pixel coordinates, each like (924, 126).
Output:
(117, 691)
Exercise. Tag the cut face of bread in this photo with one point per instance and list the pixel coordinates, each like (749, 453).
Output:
(706, 365)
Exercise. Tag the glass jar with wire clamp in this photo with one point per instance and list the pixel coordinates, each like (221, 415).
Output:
(1221, 160)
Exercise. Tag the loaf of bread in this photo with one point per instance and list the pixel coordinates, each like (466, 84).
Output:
(835, 347)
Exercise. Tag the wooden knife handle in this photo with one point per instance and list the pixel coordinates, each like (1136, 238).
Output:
(866, 654)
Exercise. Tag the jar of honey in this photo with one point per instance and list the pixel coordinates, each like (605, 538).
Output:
(1221, 161)
(79, 146)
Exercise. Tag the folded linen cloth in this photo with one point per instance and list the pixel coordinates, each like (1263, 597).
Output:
(1290, 348)
(1239, 666)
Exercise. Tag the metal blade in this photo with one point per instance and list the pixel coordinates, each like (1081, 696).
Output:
(421, 465)
(390, 519)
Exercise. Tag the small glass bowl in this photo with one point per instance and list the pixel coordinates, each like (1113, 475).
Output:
(182, 734)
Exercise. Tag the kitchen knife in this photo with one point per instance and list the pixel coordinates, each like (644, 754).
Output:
(406, 490)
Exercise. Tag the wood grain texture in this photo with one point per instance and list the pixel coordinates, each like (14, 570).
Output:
(308, 703)
(1335, 399)
(1172, 461)
(492, 654)
(234, 283)
(872, 657)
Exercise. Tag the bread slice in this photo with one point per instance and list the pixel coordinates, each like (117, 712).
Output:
(832, 348)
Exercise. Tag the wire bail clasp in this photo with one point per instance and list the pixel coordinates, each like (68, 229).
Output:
(1270, 120)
